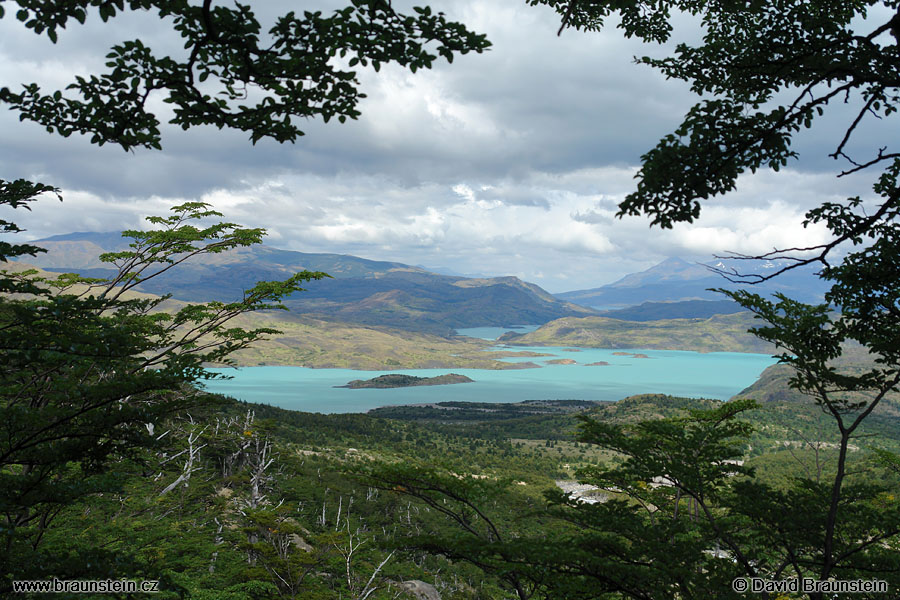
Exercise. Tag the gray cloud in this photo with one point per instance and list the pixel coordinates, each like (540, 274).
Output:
(511, 162)
(535, 102)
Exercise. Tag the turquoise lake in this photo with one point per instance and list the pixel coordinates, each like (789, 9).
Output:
(716, 375)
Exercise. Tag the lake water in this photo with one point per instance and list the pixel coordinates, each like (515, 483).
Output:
(717, 375)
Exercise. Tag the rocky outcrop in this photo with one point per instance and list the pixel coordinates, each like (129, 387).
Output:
(420, 590)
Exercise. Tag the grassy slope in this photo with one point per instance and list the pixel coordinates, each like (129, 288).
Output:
(311, 342)
(721, 333)
(327, 344)
(320, 343)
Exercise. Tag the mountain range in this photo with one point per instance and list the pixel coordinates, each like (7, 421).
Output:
(393, 294)
(676, 280)
(359, 291)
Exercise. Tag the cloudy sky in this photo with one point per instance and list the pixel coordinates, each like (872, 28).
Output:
(505, 163)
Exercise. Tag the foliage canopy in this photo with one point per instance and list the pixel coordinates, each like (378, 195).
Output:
(231, 74)
(683, 517)
(88, 369)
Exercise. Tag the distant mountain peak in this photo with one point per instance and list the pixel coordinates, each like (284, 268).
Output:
(676, 280)
(671, 269)
(673, 261)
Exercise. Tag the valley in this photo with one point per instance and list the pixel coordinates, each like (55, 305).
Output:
(376, 315)
(258, 391)
(492, 421)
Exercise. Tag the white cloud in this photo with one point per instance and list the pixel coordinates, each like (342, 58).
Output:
(572, 240)
(510, 162)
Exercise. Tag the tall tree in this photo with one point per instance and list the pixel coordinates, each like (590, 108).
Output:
(766, 71)
(90, 368)
(684, 519)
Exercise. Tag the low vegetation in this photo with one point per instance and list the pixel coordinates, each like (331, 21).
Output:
(250, 501)
(113, 466)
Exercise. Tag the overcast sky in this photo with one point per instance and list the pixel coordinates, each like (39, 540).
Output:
(505, 163)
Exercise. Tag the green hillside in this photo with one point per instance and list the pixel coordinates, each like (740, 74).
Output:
(433, 303)
(318, 343)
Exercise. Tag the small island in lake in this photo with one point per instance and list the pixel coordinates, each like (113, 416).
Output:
(600, 363)
(560, 361)
(396, 380)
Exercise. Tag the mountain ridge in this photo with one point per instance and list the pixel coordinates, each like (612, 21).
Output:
(677, 280)
(361, 291)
